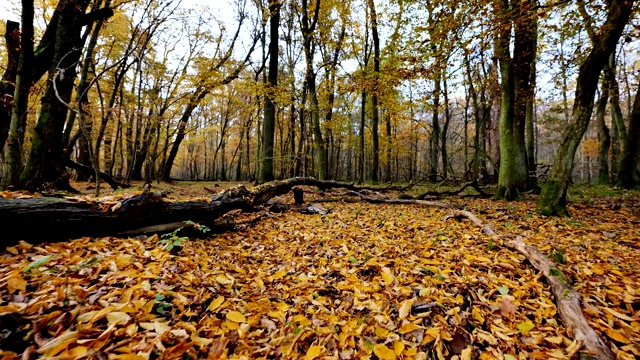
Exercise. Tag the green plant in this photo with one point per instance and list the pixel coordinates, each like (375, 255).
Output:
(161, 305)
(36, 264)
(558, 255)
(172, 240)
(491, 246)
(202, 228)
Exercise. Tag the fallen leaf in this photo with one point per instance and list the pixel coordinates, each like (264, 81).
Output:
(313, 352)
(118, 318)
(236, 316)
(525, 327)
(617, 336)
(16, 282)
(408, 327)
(384, 352)
(507, 308)
(405, 308)
(215, 303)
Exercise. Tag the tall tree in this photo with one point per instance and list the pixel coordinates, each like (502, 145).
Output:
(308, 26)
(7, 83)
(515, 86)
(553, 198)
(627, 174)
(269, 124)
(375, 119)
(46, 161)
(13, 166)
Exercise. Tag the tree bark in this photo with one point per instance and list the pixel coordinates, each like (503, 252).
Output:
(515, 74)
(435, 133)
(7, 84)
(269, 123)
(553, 198)
(375, 120)
(603, 134)
(627, 175)
(45, 163)
(13, 166)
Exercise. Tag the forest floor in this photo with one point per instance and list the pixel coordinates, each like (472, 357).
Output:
(366, 280)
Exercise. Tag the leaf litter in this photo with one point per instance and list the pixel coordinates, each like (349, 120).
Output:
(380, 281)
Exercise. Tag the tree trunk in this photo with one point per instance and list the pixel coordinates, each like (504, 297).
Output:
(375, 93)
(531, 106)
(627, 175)
(553, 198)
(46, 163)
(445, 130)
(268, 126)
(516, 91)
(13, 166)
(603, 134)
(7, 84)
(435, 133)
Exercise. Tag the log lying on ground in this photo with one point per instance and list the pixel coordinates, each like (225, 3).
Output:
(567, 300)
(51, 219)
(472, 184)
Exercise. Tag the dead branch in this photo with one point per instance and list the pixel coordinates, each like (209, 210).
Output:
(472, 184)
(373, 200)
(567, 300)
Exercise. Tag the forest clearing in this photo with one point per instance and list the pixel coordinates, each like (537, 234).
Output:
(364, 280)
(320, 179)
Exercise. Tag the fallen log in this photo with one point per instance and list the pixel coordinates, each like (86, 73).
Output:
(52, 219)
(567, 299)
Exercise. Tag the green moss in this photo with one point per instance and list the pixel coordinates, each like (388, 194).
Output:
(551, 201)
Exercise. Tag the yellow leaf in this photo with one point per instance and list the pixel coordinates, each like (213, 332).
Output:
(216, 303)
(387, 275)
(13, 250)
(407, 328)
(466, 353)
(200, 341)
(405, 308)
(276, 315)
(398, 347)
(230, 325)
(302, 320)
(279, 275)
(56, 345)
(118, 318)
(554, 339)
(75, 353)
(16, 282)
(127, 357)
(236, 316)
(434, 332)
(160, 327)
(381, 332)
(477, 314)
(618, 315)
(384, 352)
(617, 336)
(313, 352)
(224, 279)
